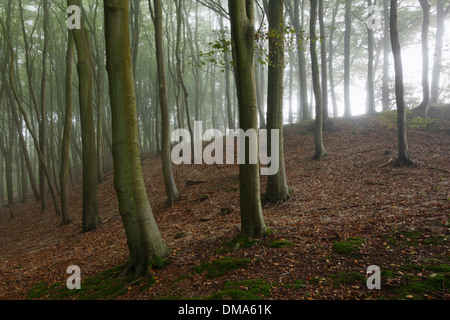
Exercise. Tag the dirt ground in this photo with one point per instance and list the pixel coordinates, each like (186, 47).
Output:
(346, 212)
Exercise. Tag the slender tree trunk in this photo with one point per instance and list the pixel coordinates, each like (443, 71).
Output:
(425, 104)
(437, 63)
(323, 63)
(65, 148)
(145, 243)
(12, 84)
(169, 182)
(370, 73)
(348, 26)
(330, 61)
(291, 85)
(403, 155)
(91, 218)
(277, 190)
(43, 187)
(320, 149)
(242, 18)
(386, 51)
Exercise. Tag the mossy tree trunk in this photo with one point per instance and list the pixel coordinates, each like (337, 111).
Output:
(145, 243)
(242, 19)
(90, 218)
(277, 190)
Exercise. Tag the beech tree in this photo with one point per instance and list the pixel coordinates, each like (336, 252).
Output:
(242, 19)
(277, 189)
(145, 243)
(403, 154)
(425, 104)
(171, 188)
(319, 148)
(91, 218)
(347, 49)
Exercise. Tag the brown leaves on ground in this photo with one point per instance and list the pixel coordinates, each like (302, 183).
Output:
(400, 217)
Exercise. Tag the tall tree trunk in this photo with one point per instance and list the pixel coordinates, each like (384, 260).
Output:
(43, 187)
(228, 99)
(386, 51)
(320, 149)
(330, 61)
(303, 112)
(348, 27)
(291, 86)
(171, 188)
(242, 18)
(144, 240)
(323, 63)
(436, 72)
(403, 154)
(370, 88)
(65, 148)
(91, 218)
(277, 190)
(385, 99)
(179, 62)
(425, 104)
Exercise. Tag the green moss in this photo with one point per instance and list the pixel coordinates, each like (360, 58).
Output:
(299, 283)
(39, 290)
(106, 285)
(348, 246)
(388, 274)
(435, 240)
(220, 267)
(204, 197)
(415, 289)
(347, 278)
(282, 244)
(428, 267)
(235, 243)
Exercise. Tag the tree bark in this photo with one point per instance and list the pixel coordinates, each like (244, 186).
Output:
(242, 18)
(277, 190)
(330, 61)
(425, 104)
(437, 63)
(323, 63)
(370, 73)
(90, 218)
(403, 154)
(65, 148)
(348, 27)
(169, 182)
(320, 149)
(145, 243)
(385, 86)
(297, 21)
(43, 187)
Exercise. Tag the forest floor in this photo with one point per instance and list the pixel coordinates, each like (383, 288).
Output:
(351, 210)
